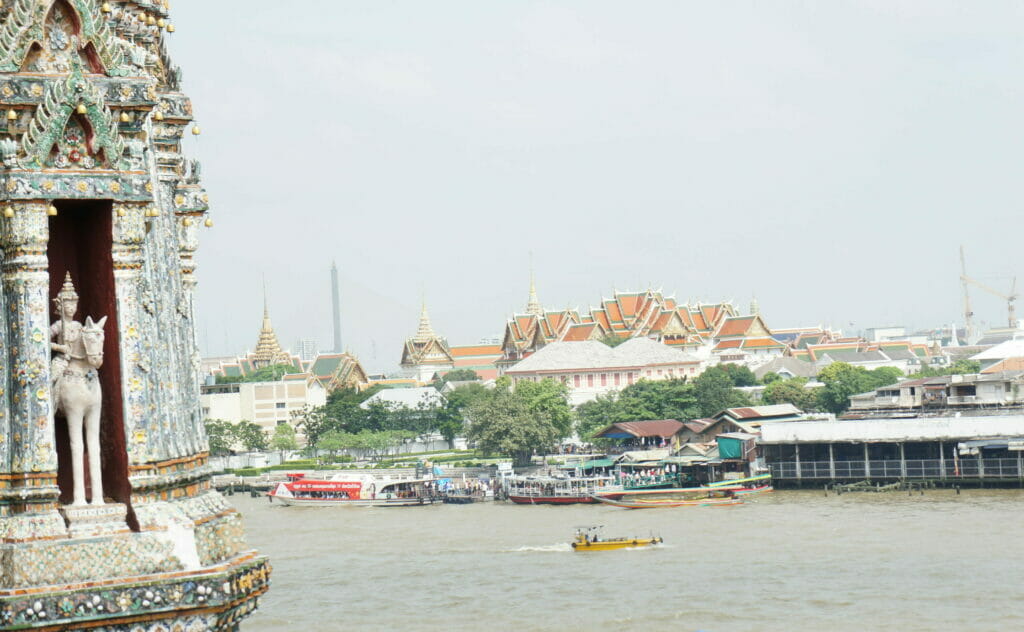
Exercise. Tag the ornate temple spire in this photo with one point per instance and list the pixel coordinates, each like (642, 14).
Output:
(755, 307)
(268, 350)
(425, 333)
(533, 306)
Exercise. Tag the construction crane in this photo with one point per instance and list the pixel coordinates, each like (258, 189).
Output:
(1010, 298)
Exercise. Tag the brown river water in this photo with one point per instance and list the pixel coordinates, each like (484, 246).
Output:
(782, 561)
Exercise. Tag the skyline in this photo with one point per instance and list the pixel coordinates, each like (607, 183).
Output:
(828, 161)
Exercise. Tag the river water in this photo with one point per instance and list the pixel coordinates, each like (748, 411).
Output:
(782, 561)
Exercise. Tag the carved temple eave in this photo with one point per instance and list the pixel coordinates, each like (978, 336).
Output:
(27, 90)
(214, 598)
(120, 186)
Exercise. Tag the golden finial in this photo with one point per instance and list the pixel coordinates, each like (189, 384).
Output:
(51, 211)
(81, 109)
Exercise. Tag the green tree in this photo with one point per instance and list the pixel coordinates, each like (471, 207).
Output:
(251, 436)
(549, 399)
(451, 419)
(714, 391)
(284, 439)
(272, 373)
(220, 435)
(739, 374)
(456, 375)
(792, 391)
(506, 423)
(613, 340)
(842, 380)
(770, 377)
(646, 399)
(962, 366)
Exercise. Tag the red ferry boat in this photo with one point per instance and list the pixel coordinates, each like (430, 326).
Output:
(356, 491)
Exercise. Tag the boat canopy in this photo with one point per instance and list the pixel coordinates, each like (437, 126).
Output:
(589, 465)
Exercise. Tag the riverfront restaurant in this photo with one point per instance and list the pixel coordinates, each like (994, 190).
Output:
(953, 449)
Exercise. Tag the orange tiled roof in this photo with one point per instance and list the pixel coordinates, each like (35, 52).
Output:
(476, 350)
(736, 326)
(761, 342)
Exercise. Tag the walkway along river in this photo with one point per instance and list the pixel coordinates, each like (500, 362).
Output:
(796, 560)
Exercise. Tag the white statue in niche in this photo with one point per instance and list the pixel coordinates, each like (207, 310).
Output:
(78, 352)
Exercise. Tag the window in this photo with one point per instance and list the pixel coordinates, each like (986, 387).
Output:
(590, 379)
(282, 422)
(629, 377)
(616, 379)
(604, 379)
(576, 381)
(281, 404)
(648, 373)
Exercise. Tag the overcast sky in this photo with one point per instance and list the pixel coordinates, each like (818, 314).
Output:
(827, 157)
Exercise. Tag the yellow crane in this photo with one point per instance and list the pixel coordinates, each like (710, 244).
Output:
(1010, 298)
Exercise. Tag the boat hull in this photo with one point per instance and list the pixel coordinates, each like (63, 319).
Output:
(348, 502)
(550, 500)
(655, 503)
(611, 545)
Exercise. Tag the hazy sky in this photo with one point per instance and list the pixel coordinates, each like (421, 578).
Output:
(827, 157)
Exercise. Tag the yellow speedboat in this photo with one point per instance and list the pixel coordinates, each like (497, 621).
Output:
(589, 539)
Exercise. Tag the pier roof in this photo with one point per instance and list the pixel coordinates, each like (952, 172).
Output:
(892, 430)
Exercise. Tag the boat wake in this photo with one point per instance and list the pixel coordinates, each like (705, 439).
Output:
(561, 547)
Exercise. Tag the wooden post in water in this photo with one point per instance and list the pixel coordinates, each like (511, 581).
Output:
(903, 461)
(831, 463)
(867, 467)
(798, 475)
(942, 461)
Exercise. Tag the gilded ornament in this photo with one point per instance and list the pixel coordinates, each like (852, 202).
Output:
(158, 115)
(12, 115)
(51, 210)
(179, 200)
(81, 109)
(149, 187)
(82, 186)
(209, 222)
(170, 28)
(36, 89)
(196, 131)
(48, 185)
(7, 91)
(115, 186)
(187, 221)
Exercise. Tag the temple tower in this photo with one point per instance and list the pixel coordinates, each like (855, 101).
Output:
(94, 188)
(268, 350)
(426, 353)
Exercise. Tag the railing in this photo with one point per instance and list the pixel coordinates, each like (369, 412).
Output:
(968, 467)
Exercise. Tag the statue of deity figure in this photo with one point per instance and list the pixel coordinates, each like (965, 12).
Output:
(77, 354)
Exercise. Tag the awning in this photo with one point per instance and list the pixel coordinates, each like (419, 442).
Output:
(589, 465)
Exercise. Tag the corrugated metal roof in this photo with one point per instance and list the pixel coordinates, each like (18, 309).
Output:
(651, 428)
(877, 430)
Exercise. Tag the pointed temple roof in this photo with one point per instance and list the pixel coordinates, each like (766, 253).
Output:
(533, 306)
(268, 350)
(425, 333)
(426, 347)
